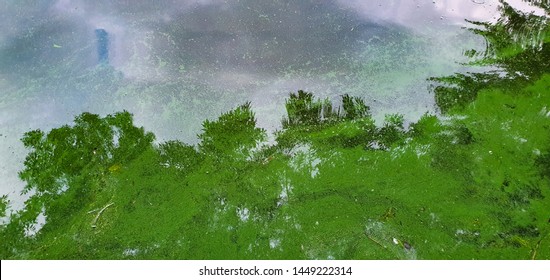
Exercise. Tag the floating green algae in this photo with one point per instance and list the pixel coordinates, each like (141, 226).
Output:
(472, 183)
(456, 189)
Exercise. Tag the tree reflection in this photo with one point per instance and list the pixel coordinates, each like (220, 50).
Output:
(232, 136)
(67, 166)
(304, 110)
(518, 42)
(333, 184)
(518, 45)
(3, 205)
(348, 125)
(234, 196)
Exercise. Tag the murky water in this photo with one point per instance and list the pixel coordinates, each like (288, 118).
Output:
(176, 63)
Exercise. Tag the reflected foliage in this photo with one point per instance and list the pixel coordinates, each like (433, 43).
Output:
(499, 121)
(342, 188)
(3, 205)
(354, 108)
(474, 184)
(517, 45)
(517, 42)
(180, 156)
(349, 125)
(544, 163)
(233, 135)
(304, 110)
(68, 167)
(461, 90)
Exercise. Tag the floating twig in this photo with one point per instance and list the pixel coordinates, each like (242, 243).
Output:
(99, 214)
(375, 241)
(534, 255)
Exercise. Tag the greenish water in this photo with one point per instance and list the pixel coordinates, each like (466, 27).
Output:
(469, 180)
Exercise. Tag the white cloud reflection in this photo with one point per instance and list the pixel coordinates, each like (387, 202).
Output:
(420, 14)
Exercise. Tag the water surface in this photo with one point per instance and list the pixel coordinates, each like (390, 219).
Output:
(174, 64)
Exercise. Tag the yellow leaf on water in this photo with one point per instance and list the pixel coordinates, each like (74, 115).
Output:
(57, 46)
(115, 167)
(520, 241)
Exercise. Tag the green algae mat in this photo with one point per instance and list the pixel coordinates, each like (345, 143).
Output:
(472, 182)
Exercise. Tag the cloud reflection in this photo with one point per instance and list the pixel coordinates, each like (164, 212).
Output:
(422, 14)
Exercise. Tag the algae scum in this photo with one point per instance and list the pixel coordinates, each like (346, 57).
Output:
(472, 181)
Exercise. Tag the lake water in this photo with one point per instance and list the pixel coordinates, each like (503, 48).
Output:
(176, 63)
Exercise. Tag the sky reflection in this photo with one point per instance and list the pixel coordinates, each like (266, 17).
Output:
(175, 63)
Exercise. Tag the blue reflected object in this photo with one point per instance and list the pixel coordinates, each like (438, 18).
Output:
(102, 45)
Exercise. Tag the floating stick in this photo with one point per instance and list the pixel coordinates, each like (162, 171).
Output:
(99, 214)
